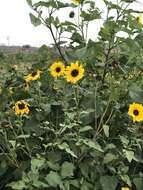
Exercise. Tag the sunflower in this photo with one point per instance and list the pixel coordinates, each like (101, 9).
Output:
(125, 188)
(33, 76)
(74, 72)
(57, 69)
(21, 107)
(140, 19)
(26, 86)
(136, 112)
(76, 1)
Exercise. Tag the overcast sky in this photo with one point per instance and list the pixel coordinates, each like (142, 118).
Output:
(15, 26)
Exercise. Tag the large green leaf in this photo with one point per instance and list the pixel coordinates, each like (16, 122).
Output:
(109, 157)
(136, 93)
(67, 169)
(51, 3)
(91, 144)
(36, 164)
(18, 185)
(92, 15)
(108, 182)
(65, 146)
(138, 183)
(53, 179)
(129, 155)
(34, 20)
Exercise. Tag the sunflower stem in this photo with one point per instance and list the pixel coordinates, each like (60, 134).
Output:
(26, 144)
(76, 102)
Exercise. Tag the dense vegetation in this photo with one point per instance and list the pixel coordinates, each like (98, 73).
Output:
(71, 116)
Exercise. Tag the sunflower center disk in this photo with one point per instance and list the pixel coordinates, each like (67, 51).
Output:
(74, 73)
(21, 106)
(136, 112)
(34, 73)
(58, 69)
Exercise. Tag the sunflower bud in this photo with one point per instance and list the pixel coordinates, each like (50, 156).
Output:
(72, 14)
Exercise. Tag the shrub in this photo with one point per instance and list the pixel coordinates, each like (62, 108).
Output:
(75, 123)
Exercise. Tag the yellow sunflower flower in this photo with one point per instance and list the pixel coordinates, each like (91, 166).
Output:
(74, 72)
(26, 86)
(57, 69)
(140, 19)
(136, 112)
(76, 1)
(21, 107)
(33, 76)
(125, 188)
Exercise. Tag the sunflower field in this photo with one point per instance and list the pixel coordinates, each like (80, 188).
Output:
(71, 118)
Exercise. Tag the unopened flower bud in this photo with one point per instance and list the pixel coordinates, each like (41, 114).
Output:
(72, 14)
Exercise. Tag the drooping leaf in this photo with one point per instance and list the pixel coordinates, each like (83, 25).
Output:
(35, 20)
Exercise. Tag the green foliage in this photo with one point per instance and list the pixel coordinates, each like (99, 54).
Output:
(139, 183)
(108, 183)
(75, 136)
(34, 20)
